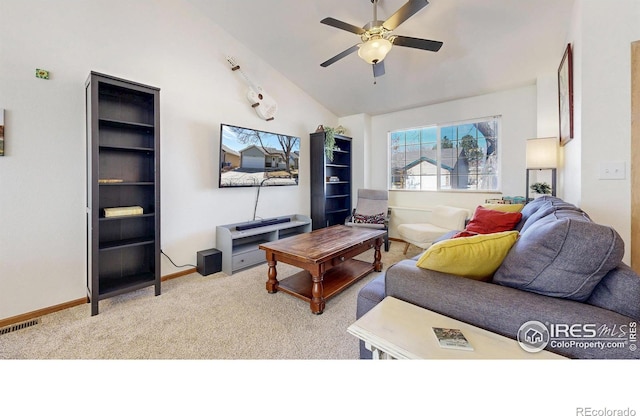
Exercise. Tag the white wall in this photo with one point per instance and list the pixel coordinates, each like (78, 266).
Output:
(601, 37)
(163, 43)
(547, 105)
(570, 171)
(358, 127)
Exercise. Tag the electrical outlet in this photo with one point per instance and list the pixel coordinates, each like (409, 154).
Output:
(612, 170)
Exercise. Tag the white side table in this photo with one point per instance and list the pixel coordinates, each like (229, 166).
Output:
(401, 330)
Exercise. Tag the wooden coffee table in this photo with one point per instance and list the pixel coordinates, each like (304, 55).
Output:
(326, 257)
(397, 329)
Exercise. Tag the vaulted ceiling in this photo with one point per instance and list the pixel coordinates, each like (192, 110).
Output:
(489, 45)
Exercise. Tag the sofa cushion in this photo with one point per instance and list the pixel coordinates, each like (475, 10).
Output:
(541, 207)
(475, 257)
(562, 255)
(529, 218)
(619, 291)
(532, 206)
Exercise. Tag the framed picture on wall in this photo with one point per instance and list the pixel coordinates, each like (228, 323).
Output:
(565, 96)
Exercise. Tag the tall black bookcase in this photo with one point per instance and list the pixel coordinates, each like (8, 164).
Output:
(330, 181)
(123, 170)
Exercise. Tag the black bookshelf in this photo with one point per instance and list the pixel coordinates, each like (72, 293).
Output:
(330, 181)
(123, 170)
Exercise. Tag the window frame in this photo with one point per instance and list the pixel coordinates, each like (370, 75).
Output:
(439, 127)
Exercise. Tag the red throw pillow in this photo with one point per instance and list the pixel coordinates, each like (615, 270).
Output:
(488, 221)
(464, 233)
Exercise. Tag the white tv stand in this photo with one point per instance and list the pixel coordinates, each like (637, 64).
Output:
(240, 247)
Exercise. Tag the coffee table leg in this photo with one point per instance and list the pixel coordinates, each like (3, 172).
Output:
(377, 256)
(317, 291)
(272, 282)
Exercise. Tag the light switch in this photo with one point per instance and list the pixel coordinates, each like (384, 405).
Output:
(612, 170)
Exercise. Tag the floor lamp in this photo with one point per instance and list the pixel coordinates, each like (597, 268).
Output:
(542, 154)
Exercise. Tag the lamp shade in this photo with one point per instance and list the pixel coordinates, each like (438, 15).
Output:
(374, 50)
(542, 153)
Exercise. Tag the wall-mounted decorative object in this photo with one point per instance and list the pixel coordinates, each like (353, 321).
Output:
(565, 96)
(42, 73)
(1, 132)
(264, 105)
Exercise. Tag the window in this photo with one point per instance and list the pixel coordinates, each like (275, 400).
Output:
(458, 156)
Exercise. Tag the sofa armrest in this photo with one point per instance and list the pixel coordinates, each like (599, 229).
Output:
(499, 309)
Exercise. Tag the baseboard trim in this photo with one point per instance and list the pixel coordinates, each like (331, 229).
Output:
(57, 308)
(41, 312)
(178, 274)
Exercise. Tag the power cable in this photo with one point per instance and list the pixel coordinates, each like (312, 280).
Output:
(184, 265)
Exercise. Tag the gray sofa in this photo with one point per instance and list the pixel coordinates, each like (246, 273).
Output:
(564, 269)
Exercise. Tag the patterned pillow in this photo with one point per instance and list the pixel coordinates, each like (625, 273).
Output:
(369, 219)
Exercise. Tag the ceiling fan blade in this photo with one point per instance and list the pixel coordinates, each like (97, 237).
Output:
(427, 45)
(342, 25)
(403, 13)
(378, 69)
(340, 56)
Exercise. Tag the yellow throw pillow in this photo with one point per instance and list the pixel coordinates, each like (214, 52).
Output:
(476, 257)
(504, 207)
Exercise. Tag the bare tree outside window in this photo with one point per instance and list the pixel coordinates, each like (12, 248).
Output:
(458, 156)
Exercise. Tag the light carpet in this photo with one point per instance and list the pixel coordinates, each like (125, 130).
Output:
(201, 317)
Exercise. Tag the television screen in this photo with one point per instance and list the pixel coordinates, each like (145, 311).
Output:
(251, 157)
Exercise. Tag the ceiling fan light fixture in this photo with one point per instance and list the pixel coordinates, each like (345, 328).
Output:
(374, 50)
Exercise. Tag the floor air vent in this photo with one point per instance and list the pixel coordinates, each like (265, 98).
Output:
(19, 326)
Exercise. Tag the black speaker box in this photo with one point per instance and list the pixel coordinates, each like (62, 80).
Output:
(209, 261)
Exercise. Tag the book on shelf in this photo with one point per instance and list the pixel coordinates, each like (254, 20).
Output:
(122, 211)
(452, 338)
(110, 180)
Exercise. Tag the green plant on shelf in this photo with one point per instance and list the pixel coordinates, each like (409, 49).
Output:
(541, 188)
(330, 139)
(329, 142)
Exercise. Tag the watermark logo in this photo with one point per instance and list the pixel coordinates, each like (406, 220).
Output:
(590, 411)
(533, 336)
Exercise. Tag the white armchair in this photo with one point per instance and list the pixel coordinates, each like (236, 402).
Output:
(443, 220)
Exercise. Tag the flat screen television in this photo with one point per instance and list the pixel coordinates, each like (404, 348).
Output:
(250, 157)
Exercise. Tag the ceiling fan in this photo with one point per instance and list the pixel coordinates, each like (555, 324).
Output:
(378, 38)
